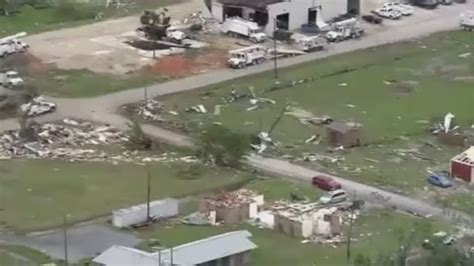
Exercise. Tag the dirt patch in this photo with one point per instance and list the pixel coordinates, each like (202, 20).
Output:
(176, 66)
(26, 64)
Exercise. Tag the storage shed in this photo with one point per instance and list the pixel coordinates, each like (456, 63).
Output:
(137, 214)
(462, 166)
(340, 134)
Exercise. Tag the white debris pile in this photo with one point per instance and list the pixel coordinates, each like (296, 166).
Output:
(37, 106)
(446, 126)
(59, 140)
(150, 110)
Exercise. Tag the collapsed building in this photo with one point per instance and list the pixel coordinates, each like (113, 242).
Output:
(283, 14)
(300, 220)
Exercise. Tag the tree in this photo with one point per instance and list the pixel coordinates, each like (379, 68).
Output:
(137, 138)
(222, 146)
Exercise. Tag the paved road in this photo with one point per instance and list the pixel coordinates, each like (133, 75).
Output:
(84, 241)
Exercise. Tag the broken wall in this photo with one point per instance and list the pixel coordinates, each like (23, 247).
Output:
(229, 214)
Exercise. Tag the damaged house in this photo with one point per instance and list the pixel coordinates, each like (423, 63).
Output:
(283, 14)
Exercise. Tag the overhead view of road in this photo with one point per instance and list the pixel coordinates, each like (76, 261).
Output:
(104, 109)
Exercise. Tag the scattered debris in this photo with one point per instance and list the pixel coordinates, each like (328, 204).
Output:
(465, 55)
(342, 84)
(350, 105)
(217, 110)
(200, 109)
(37, 106)
(150, 110)
(200, 218)
(316, 139)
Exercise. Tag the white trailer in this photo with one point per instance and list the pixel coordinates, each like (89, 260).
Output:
(11, 44)
(243, 57)
(10, 79)
(237, 26)
(138, 214)
(467, 20)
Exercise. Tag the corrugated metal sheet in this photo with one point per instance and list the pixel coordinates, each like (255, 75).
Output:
(136, 214)
(193, 253)
(212, 248)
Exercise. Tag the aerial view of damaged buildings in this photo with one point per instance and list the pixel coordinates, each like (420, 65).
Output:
(194, 44)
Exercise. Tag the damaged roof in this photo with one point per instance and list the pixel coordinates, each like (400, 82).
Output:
(256, 4)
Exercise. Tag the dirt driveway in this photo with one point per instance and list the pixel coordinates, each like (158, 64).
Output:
(99, 47)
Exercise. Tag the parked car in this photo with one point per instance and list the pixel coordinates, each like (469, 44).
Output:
(335, 196)
(406, 10)
(439, 180)
(372, 19)
(389, 13)
(326, 183)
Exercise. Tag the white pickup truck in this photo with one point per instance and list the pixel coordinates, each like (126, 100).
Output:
(10, 79)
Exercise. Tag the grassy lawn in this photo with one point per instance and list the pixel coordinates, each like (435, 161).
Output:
(20, 255)
(85, 83)
(34, 20)
(425, 85)
(462, 201)
(35, 194)
(376, 232)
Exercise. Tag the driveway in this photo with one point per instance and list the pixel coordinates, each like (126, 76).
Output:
(84, 241)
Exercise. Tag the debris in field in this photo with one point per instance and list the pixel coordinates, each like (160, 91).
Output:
(465, 55)
(447, 122)
(252, 108)
(200, 109)
(350, 105)
(342, 84)
(199, 218)
(314, 139)
(150, 110)
(37, 106)
(173, 112)
(313, 157)
(60, 140)
(234, 96)
(372, 160)
(217, 109)
(424, 122)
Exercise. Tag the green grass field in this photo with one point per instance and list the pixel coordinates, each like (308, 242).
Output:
(426, 83)
(84, 83)
(19, 255)
(35, 194)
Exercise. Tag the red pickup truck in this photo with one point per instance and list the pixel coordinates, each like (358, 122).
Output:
(326, 183)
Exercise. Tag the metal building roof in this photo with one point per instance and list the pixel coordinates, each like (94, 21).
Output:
(192, 253)
(120, 256)
(211, 248)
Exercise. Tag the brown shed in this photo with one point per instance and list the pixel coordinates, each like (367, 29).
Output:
(340, 134)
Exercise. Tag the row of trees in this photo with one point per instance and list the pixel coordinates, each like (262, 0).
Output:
(71, 9)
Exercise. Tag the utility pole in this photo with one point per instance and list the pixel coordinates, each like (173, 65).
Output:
(148, 194)
(351, 222)
(66, 263)
(275, 64)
